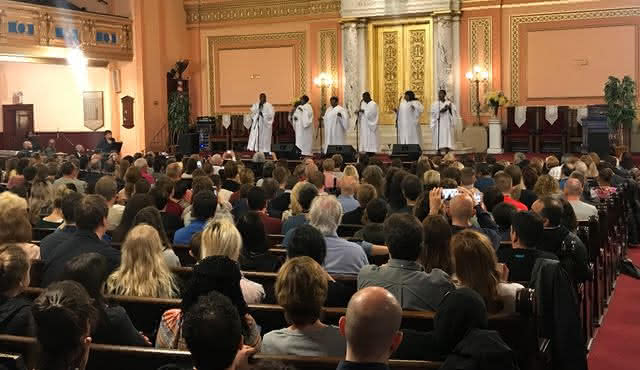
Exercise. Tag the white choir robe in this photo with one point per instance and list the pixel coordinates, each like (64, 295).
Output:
(409, 130)
(302, 122)
(335, 128)
(443, 132)
(368, 127)
(261, 127)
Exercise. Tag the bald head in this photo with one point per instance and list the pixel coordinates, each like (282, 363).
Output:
(461, 208)
(573, 187)
(372, 325)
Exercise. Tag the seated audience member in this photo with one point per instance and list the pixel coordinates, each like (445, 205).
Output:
(371, 327)
(560, 241)
(330, 179)
(131, 177)
(553, 167)
(70, 176)
(215, 273)
(281, 201)
(468, 179)
(209, 316)
(221, 238)
(573, 190)
(476, 267)
(14, 224)
(301, 197)
(604, 188)
(529, 178)
(411, 189)
(258, 204)
(91, 220)
(343, 257)
(54, 216)
(316, 178)
(347, 190)
(202, 183)
(231, 182)
(526, 233)
(65, 318)
(301, 289)
(395, 197)
(142, 166)
(461, 210)
(113, 325)
(374, 176)
(151, 216)
(484, 179)
(504, 184)
(255, 255)
(365, 194)
(134, 205)
(502, 214)
(16, 177)
(569, 219)
(403, 276)
(108, 188)
(161, 199)
(374, 216)
(546, 185)
(307, 241)
(491, 197)
(143, 271)
(435, 253)
(51, 241)
(15, 311)
(203, 208)
(141, 186)
(431, 179)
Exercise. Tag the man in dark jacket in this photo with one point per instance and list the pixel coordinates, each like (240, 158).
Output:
(50, 242)
(91, 220)
(558, 240)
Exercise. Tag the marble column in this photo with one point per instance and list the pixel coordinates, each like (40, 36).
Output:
(355, 69)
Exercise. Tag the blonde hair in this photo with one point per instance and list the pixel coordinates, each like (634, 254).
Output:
(40, 200)
(476, 265)
(296, 208)
(143, 271)
(301, 288)
(221, 238)
(9, 200)
(431, 177)
(351, 170)
(546, 185)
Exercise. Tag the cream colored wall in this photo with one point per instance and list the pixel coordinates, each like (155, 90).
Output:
(56, 93)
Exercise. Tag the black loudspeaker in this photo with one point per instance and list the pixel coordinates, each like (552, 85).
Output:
(189, 143)
(286, 151)
(347, 152)
(409, 151)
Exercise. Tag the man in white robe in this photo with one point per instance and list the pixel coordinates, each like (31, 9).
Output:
(336, 124)
(302, 122)
(368, 125)
(409, 131)
(443, 114)
(261, 125)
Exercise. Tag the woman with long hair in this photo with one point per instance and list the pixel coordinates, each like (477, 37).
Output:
(14, 224)
(143, 271)
(435, 253)
(64, 316)
(134, 205)
(476, 266)
(215, 273)
(255, 254)
(130, 178)
(546, 185)
(55, 217)
(112, 325)
(41, 201)
(15, 311)
(151, 216)
(374, 176)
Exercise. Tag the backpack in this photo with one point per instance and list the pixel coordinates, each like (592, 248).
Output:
(481, 350)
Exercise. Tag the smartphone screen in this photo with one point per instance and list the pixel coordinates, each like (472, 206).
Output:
(199, 164)
(448, 194)
(477, 198)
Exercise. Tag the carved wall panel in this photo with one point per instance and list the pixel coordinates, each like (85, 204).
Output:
(480, 54)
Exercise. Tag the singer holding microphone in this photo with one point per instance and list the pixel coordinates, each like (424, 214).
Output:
(368, 124)
(409, 131)
(262, 115)
(336, 124)
(302, 122)
(443, 114)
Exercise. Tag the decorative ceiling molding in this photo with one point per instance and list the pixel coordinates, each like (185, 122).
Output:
(203, 12)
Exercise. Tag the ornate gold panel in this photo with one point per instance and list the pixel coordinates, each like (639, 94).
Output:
(328, 43)
(400, 60)
(480, 54)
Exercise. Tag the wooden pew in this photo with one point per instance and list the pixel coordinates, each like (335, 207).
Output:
(103, 356)
(348, 230)
(39, 233)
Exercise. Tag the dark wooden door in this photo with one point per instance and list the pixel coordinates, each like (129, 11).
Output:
(17, 123)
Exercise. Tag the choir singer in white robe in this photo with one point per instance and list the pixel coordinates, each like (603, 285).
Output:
(443, 114)
(409, 131)
(336, 124)
(261, 125)
(302, 121)
(368, 122)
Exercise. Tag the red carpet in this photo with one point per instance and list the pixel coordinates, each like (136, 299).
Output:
(617, 342)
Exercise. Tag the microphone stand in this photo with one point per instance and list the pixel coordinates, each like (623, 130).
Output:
(438, 128)
(258, 123)
(73, 146)
(358, 126)
(397, 115)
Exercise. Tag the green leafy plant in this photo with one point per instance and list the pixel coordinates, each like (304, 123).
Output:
(178, 114)
(620, 97)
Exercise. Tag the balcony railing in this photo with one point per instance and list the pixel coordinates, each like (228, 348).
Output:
(47, 32)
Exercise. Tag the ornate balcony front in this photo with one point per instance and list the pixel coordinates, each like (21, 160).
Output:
(34, 31)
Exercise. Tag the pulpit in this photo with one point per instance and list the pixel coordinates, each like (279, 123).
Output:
(595, 131)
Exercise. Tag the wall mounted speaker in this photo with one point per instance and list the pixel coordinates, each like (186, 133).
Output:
(117, 82)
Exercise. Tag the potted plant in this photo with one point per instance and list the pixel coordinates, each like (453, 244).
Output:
(620, 97)
(178, 115)
(495, 100)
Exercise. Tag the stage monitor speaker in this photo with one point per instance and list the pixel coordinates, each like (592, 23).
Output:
(410, 151)
(286, 151)
(348, 152)
(189, 143)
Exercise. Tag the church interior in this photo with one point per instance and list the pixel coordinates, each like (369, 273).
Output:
(167, 76)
